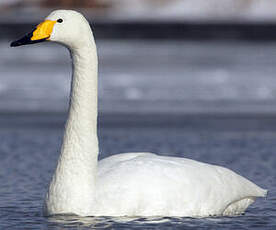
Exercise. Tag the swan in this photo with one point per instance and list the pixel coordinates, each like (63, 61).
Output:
(128, 184)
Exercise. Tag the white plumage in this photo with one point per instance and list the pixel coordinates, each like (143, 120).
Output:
(147, 184)
(129, 184)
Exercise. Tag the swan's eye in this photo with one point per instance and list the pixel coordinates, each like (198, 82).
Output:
(60, 20)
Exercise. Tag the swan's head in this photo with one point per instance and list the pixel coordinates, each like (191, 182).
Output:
(67, 27)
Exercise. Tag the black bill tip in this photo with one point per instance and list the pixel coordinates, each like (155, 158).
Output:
(16, 43)
(22, 41)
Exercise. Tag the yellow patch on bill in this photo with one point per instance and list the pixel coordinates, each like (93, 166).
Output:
(43, 30)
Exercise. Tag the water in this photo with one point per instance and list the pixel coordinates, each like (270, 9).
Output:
(29, 154)
(209, 101)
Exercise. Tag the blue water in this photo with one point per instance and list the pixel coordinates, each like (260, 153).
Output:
(29, 153)
(211, 101)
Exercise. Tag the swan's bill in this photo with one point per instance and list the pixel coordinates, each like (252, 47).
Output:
(41, 33)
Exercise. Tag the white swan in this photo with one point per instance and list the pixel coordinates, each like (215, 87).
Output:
(129, 184)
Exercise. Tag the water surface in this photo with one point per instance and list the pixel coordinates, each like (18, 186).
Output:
(209, 101)
(29, 154)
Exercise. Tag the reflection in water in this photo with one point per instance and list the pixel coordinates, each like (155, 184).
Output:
(73, 222)
(68, 221)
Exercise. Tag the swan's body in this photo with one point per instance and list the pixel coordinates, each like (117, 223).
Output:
(145, 184)
(130, 184)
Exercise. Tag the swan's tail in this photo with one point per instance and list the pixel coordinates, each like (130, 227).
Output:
(238, 207)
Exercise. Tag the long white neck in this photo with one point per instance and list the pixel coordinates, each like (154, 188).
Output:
(80, 138)
(72, 187)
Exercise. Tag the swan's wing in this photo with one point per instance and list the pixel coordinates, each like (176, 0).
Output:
(144, 184)
(113, 161)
